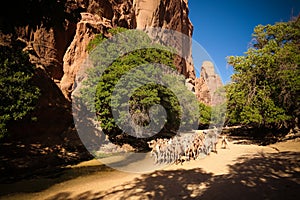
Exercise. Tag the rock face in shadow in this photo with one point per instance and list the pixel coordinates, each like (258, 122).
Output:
(208, 85)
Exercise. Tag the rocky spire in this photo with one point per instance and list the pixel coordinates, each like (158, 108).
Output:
(208, 85)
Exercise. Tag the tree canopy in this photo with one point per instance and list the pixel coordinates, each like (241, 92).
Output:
(18, 96)
(146, 78)
(265, 87)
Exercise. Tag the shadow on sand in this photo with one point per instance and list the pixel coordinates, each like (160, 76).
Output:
(264, 176)
(44, 180)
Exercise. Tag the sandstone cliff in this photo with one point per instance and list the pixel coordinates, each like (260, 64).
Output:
(56, 34)
(208, 84)
(138, 14)
(171, 15)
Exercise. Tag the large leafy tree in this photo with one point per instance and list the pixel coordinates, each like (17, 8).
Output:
(18, 96)
(265, 87)
(138, 66)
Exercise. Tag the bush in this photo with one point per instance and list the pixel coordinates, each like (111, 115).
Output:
(17, 94)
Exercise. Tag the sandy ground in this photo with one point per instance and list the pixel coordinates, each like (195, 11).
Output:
(238, 172)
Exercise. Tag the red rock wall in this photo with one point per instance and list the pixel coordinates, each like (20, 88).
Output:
(139, 14)
(57, 42)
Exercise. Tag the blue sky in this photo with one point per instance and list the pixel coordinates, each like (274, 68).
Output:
(224, 27)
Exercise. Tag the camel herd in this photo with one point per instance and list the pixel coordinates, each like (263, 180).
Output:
(185, 147)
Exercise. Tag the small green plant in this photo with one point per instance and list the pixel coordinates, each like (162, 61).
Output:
(94, 42)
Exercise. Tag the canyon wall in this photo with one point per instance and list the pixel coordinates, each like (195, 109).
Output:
(137, 14)
(56, 34)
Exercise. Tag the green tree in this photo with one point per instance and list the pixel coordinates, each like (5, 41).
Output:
(265, 87)
(141, 65)
(205, 115)
(18, 96)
